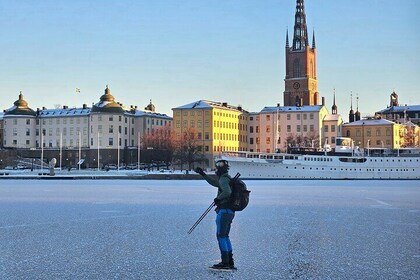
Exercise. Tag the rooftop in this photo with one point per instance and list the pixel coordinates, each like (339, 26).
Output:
(206, 104)
(370, 122)
(313, 108)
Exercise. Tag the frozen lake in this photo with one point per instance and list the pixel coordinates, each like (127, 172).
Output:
(137, 229)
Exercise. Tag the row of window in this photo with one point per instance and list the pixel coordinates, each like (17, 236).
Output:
(79, 120)
(304, 116)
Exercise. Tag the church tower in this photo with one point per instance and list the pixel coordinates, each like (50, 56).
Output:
(301, 85)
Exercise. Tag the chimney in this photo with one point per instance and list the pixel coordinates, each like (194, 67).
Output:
(65, 107)
(84, 106)
(43, 108)
(224, 104)
(323, 101)
(278, 104)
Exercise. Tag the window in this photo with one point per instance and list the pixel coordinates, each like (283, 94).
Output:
(332, 140)
(296, 64)
(378, 132)
(251, 140)
(358, 133)
(298, 117)
(311, 116)
(289, 128)
(100, 128)
(268, 140)
(311, 127)
(305, 128)
(267, 117)
(28, 121)
(368, 132)
(288, 117)
(111, 118)
(267, 129)
(28, 132)
(326, 128)
(111, 129)
(257, 129)
(111, 141)
(332, 128)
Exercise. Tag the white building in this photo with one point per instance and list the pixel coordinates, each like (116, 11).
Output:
(105, 127)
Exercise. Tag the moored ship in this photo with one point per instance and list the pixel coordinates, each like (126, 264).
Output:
(345, 163)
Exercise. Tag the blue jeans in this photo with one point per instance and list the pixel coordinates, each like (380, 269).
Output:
(223, 221)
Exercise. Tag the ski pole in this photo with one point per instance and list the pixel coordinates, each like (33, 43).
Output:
(201, 217)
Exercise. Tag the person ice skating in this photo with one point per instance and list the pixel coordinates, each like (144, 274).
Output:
(224, 212)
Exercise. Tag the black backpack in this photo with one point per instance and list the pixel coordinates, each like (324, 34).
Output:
(239, 198)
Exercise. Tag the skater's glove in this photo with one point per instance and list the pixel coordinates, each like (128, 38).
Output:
(199, 170)
(217, 201)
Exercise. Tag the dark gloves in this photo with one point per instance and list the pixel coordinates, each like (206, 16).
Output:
(199, 170)
(217, 201)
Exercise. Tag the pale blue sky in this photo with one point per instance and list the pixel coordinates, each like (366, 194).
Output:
(177, 52)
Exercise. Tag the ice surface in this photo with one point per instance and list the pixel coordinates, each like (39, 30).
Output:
(137, 229)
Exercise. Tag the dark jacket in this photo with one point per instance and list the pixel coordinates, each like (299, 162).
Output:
(224, 191)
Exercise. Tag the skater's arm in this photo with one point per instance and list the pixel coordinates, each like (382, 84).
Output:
(211, 180)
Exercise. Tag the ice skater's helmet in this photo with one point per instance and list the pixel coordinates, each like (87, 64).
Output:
(222, 166)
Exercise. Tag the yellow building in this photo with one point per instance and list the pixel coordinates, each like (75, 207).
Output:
(216, 127)
(374, 133)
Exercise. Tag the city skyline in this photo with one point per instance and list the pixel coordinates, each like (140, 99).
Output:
(176, 53)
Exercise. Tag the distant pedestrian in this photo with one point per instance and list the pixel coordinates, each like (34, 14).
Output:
(224, 212)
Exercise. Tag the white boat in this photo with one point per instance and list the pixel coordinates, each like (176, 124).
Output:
(344, 163)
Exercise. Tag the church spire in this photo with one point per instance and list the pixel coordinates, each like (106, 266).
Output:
(300, 35)
(287, 39)
(334, 106)
(313, 40)
(351, 113)
(357, 114)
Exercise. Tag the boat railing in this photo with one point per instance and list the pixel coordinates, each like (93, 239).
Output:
(268, 156)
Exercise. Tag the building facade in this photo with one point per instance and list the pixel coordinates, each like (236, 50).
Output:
(99, 134)
(301, 85)
(216, 126)
(275, 129)
(374, 133)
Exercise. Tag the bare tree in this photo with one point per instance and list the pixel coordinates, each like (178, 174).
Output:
(188, 149)
(408, 136)
(158, 146)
